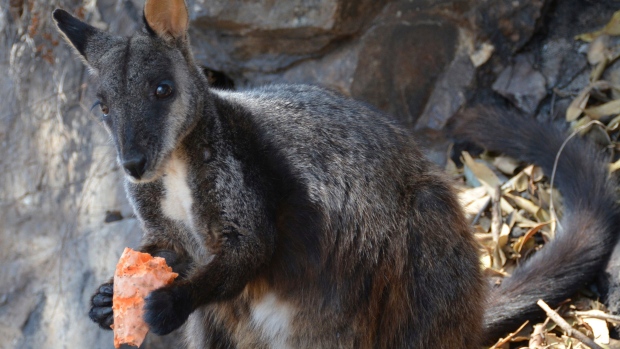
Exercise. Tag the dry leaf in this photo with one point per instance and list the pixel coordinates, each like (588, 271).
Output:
(476, 206)
(612, 28)
(482, 55)
(598, 326)
(451, 168)
(498, 258)
(506, 164)
(529, 170)
(599, 69)
(524, 203)
(581, 122)
(598, 50)
(542, 215)
(578, 104)
(615, 166)
(604, 110)
(537, 174)
(523, 222)
(483, 173)
(485, 260)
(519, 244)
(520, 182)
(505, 206)
(473, 200)
(470, 195)
(613, 124)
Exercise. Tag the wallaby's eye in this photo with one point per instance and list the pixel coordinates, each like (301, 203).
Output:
(104, 108)
(164, 89)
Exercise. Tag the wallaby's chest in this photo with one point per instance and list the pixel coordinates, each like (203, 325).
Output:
(177, 200)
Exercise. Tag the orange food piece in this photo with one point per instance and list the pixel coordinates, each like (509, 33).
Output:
(137, 274)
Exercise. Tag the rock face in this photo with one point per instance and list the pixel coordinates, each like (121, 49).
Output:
(64, 219)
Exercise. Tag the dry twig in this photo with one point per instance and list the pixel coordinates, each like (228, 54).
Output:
(507, 339)
(607, 317)
(537, 339)
(480, 212)
(570, 331)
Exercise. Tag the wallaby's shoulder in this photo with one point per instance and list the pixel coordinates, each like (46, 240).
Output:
(301, 100)
(310, 115)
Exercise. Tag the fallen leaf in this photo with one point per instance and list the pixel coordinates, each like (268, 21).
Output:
(529, 170)
(599, 69)
(519, 245)
(475, 206)
(482, 55)
(599, 50)
(470, 195)
(578, 104)
(537, 174)
(506, 164)
(613, 124)
(603, 110)
(582, 122)
(505, 206)
(451, 168)
(611, 28)
(614, 166)
(599, 327)
(483, 173)
(524, 203)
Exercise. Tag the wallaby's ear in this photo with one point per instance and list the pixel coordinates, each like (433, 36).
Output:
(167, 18)
(89, 41)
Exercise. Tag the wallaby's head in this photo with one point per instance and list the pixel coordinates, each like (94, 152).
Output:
(150, 91)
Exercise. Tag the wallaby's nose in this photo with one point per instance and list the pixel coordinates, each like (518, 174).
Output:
(135, 165)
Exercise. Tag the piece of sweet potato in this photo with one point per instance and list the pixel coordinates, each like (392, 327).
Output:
(137, 274)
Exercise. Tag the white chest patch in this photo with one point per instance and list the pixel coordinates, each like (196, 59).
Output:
(272, 318)
(177, 202)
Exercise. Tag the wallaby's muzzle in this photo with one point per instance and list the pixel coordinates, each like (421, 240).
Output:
(134, 165)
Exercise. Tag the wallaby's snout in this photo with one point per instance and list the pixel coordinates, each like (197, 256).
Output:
(134, 165)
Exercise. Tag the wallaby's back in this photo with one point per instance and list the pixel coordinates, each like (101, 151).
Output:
(382, 256)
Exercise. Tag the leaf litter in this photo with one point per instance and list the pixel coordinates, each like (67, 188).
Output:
(512, 206)
(511, 220)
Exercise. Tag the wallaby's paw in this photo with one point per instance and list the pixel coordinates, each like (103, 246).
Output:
(167, 308)
(101, 306)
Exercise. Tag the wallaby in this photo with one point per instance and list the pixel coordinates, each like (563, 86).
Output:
(298, 218)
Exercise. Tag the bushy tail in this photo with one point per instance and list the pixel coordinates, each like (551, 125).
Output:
(587, 231)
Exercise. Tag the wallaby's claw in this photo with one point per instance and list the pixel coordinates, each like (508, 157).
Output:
(101, 306)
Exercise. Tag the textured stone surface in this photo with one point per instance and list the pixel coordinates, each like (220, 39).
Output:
(520, 83)
(254, 37)
(509, 24)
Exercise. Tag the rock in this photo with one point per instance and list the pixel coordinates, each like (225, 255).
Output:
(401, 85)
(522, 85)
(448, 96)
(557, 56)
(400, 59)
(420, 38)
(509, 24)
(253, 37)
